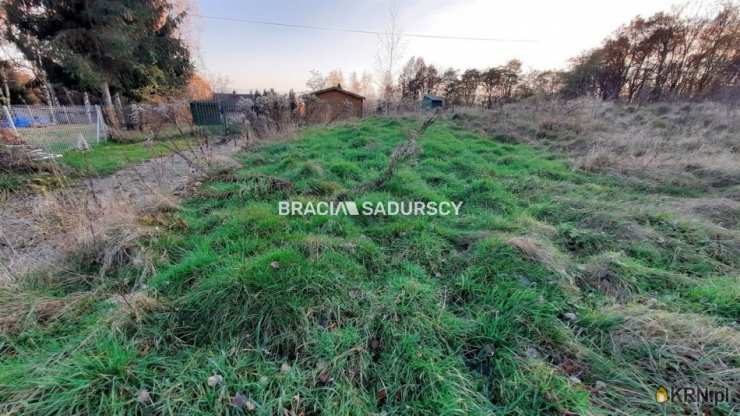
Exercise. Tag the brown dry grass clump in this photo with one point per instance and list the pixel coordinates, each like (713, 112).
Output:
(132, 308)
(23, 309)
(603, 274)
(722, 211)
(116, 248)
(690, 144)
(540, 252)
(19, 159)
(681, 348)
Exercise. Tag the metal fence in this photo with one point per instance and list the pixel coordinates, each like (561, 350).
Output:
(55, 129)
(259, 118)
(224, 118)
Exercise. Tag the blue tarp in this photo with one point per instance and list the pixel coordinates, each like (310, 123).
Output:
(19, 122)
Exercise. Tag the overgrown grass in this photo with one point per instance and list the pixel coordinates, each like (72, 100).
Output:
(103, 159)
(106, 158)
(552, 293)
(677, 148)
(11, 181)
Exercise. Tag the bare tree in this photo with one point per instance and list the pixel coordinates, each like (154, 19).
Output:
(406, 80)
(366, 84)
(469, 83)
(390, 53)
(188, 29)
(491, 81)
(316, 80)
(220, 83)
(417, 78)
(354, 83)
(335, 77)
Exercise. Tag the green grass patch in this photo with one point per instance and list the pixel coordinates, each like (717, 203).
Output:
(507, 308)
(106, 158)
(12, 182)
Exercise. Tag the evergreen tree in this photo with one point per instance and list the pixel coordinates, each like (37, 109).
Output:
(124, 46)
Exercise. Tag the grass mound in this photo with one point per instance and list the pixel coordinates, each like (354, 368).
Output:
(508, 308)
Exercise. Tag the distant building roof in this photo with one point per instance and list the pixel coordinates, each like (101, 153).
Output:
(433, 98)
(338, 88)
(230, 98)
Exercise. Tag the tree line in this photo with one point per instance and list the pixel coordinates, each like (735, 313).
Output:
(134, 48)
(468, 87)
(418, 78)
(664, 56)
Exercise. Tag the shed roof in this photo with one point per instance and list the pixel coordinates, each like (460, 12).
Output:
(433, 97)
(338, 88)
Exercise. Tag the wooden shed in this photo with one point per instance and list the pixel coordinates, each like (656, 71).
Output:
(341, 103)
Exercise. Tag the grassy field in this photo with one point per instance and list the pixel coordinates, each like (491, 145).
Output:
(553, 292)
(101, 159)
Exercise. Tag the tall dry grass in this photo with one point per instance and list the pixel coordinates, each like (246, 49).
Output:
(681, 143)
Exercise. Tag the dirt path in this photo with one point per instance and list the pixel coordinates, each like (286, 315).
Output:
(38, 230)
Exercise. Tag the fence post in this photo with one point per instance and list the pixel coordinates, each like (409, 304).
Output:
(98, 116)
(10, 119)
(86, 101)
(31, 115)
(222, 109)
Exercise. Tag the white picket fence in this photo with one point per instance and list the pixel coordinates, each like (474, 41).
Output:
(55, 129)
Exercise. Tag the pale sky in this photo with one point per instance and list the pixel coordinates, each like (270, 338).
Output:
(259, 56)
